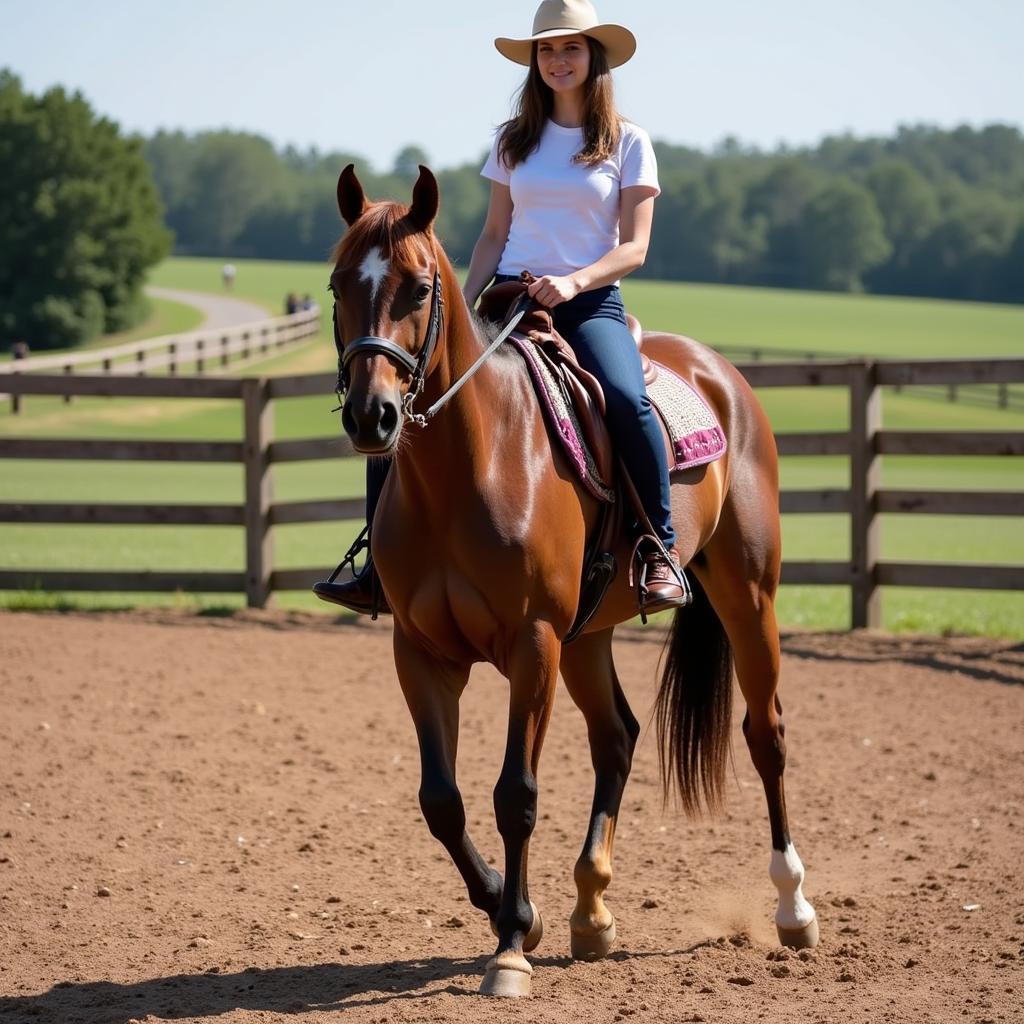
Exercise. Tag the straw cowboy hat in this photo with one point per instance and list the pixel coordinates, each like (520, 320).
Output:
(567, 18)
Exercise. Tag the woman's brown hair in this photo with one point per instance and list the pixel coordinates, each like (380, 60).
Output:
(602, 129)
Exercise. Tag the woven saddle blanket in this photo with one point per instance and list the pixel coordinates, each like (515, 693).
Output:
(693, 437)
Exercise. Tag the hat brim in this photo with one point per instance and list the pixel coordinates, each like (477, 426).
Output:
(619, 43)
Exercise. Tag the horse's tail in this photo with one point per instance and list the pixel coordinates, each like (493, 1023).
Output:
(693, 712)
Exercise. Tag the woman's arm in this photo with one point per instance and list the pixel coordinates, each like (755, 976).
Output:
(491, 243)
(636, 215)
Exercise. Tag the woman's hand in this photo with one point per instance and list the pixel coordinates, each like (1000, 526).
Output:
(550, 291)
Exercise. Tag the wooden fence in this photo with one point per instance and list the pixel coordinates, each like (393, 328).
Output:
(198, 352)
(864, 501)
(987, 396)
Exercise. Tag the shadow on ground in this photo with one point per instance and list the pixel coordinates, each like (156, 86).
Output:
(287, 990)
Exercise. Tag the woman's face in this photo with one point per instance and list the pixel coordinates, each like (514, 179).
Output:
(564, 62)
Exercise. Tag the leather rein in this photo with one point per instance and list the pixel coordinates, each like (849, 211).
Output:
(417, 366)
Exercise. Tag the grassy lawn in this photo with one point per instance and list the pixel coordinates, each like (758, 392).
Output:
(721, 315)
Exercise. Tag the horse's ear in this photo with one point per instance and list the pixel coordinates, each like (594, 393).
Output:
(351, 199)
(425, 199)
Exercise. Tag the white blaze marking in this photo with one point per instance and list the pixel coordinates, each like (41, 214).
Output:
(787, 872)
(374, 269)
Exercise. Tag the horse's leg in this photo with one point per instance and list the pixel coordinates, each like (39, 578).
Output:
(589, 674)
(740, 575)
(533, 674)
(432, 692)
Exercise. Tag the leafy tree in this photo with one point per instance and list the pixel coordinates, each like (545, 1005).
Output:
(908, 204)
(774, 205)
(842, 236)
(80, 220)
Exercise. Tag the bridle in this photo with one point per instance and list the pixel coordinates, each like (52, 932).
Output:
(417, 365)
(370, 343)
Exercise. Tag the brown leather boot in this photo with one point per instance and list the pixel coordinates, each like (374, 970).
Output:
(663, 585)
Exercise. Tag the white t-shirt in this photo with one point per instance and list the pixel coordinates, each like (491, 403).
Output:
(565, 215)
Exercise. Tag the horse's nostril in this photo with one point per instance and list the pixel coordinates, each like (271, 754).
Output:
(348, 423)
(389, 419)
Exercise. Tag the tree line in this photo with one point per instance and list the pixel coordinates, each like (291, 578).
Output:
(926, 211)
(86, 211)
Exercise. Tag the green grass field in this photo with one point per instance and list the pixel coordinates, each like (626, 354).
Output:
(725, 316)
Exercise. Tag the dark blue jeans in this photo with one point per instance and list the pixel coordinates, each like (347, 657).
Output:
(594, 324)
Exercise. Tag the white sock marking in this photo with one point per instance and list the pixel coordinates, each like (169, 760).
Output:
(374, 269)
(787, 873)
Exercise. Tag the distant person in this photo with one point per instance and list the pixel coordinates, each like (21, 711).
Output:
(228, 276)
(19, 350)
(307, 302)
(291, 303)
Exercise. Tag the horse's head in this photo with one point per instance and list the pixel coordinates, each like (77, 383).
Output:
(387, 308)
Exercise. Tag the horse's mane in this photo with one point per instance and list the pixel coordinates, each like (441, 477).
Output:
(385, 226)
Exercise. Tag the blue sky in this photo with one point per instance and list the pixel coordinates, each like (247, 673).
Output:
(373, 75)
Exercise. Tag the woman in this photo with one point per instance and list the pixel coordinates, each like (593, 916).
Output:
(572, 200)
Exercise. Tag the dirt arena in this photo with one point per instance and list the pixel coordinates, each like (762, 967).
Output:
(216, 820)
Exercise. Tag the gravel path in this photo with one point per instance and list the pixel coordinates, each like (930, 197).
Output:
(218, 310)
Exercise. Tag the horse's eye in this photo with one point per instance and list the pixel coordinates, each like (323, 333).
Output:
(422, 291)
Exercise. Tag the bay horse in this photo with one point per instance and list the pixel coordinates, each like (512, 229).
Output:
(478, 540)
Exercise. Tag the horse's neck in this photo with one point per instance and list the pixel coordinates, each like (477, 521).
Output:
(459, 442)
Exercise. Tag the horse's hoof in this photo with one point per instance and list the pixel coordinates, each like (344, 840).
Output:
(799, 938)
(534, 935)
(592, 947)
(507, 976)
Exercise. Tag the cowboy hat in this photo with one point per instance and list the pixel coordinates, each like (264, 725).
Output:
(568, 18)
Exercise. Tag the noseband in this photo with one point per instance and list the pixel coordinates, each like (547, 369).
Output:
(370, 344)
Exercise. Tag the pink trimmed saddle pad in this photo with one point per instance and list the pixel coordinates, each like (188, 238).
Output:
(694, 434)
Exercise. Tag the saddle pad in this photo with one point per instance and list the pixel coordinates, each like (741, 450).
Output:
(695, 434)
(561, 417)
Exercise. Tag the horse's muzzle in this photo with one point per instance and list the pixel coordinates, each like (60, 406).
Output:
(372, 424)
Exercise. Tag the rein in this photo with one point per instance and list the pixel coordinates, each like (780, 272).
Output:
(417, 366)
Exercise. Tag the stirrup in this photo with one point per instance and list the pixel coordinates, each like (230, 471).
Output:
(361, 543)
(638, 573)
(361, 594)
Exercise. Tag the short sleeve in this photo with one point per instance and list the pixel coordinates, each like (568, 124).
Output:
(639, 164)
(495, 169)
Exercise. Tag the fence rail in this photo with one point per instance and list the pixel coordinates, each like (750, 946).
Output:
(198, 351)
(985, 394)
(864, 501)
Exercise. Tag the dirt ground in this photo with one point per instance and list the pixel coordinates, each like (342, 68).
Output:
(216, 819)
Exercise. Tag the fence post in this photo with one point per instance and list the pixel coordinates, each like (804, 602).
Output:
(865, 480)
(68, 371)
(15, 398)
(199, 355)
(259, 541)
(172, 362)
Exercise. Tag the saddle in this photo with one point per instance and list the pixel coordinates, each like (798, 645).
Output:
(574, 406)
